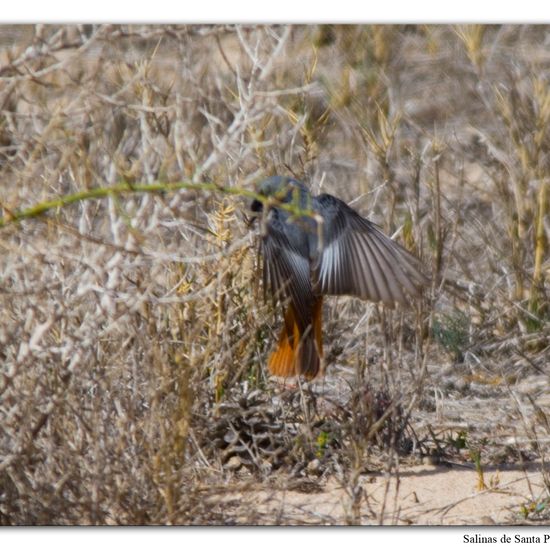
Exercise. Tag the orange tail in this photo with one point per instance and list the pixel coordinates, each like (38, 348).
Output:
(299, 352)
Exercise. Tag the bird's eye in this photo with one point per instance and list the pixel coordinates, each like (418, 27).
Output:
(256, 206)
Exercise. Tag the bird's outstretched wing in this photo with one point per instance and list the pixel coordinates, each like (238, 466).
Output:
(286, 268)
(359, 260)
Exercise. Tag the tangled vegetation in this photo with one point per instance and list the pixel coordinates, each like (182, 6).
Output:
(133, 336)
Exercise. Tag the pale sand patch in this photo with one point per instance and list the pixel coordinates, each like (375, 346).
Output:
(420, 495)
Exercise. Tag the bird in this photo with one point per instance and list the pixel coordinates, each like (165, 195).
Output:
(314, 246)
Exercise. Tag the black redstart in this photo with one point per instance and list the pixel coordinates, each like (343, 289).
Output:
(323, 247)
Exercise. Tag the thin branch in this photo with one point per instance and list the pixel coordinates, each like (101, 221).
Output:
(129, 189)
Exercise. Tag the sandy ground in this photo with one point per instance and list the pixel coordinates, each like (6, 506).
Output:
(420, 495)
(448, 493)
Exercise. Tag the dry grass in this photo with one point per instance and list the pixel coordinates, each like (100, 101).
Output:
(133, 338)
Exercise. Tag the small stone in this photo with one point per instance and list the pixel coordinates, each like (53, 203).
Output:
(266, 467)
(314, 466)
(430, 460)
(234, 463)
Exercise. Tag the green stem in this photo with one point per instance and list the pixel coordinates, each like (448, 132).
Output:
(126, 188)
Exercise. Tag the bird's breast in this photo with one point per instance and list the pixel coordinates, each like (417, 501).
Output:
(301, 233)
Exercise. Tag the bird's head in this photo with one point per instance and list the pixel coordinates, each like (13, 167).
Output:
(280, 188)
